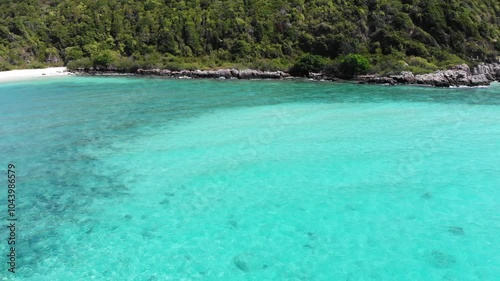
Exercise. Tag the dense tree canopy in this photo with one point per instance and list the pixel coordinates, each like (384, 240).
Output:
(354, 64)
(306, 64)
(59, 31)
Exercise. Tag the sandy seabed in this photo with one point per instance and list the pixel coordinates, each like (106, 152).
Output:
(27, 74)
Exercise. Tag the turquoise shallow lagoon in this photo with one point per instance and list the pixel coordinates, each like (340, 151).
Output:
(152, 179)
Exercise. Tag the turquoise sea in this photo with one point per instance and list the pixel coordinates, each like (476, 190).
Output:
(161, 179)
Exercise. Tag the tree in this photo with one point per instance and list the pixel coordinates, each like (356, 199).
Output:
(354, 64)
(241, 48)
(104, 58)
(248, 30)
(306, 64)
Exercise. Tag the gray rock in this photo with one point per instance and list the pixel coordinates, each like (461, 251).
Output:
(479, 80)
(270, 75)
(381, 80)
(283, 74)
(491, 71)
(214, 74)
(53, 58)
(405, 77)
(483, 69)
(200, 73)
(455, 75)
(459, 75)
(316, 76)
(235, 73)
(165, 72)
(462, 67)
(226, 73)
(156, 72)
(437, 79)
(248, 74)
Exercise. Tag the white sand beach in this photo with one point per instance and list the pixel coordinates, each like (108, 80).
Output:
(27, 74)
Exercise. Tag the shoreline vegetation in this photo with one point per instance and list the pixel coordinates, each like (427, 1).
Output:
(457, 76)
(460, 75)
(339, 39)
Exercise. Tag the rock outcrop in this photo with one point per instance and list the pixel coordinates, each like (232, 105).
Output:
(405, 77)
(219, 73)
(460, 75)
(490, 71)
(373, 79)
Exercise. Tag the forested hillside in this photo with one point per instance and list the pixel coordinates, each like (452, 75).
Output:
(393, 34)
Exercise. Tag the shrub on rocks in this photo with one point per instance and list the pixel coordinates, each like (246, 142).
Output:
(306, 64)
(354, 64)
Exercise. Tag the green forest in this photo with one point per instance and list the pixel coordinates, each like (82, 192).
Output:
(389, 35)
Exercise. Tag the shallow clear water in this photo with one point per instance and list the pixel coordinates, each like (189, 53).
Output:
(151, 179)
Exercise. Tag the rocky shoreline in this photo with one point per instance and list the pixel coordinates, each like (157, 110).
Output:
(211, 74)
(460, 75)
